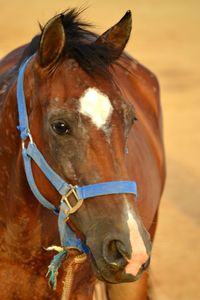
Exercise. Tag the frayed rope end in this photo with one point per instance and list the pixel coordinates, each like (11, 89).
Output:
(55, 265)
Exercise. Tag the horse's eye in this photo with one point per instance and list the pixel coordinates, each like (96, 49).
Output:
(61, 127)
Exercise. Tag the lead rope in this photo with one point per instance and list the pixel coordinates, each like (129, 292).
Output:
(69, 277)
(56, 263)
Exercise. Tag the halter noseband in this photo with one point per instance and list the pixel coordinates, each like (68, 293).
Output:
(67, 236)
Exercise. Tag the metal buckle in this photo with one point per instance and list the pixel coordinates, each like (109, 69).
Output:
(71, 209)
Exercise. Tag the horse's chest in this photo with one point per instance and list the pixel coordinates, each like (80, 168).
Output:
(23, 283)
(23, 263)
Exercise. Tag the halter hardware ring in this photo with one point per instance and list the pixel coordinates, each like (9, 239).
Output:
(30, 139)
(71, 209)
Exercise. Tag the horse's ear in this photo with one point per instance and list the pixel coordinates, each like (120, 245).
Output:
(117, 36)
(52, 41)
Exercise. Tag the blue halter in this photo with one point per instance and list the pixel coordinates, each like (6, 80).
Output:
(67, 236)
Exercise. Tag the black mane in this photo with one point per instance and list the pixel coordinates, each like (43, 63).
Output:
(92, 57)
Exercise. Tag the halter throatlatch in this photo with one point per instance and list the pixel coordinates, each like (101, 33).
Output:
(67, 237)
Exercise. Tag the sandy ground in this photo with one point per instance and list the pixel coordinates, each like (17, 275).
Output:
(166, 39)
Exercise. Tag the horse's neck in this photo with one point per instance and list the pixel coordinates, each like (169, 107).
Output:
(9, 146)
(21, 217)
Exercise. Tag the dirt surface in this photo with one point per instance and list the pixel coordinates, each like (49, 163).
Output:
(166, 39)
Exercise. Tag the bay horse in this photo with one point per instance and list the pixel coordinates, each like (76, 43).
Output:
(77, 111)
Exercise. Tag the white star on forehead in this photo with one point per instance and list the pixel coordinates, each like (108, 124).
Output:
(96, 105)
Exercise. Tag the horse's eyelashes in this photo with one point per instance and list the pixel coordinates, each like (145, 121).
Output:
(61, 127)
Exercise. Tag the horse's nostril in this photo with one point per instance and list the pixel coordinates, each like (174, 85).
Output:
(145, 265)
(115, 255)
(121, 249)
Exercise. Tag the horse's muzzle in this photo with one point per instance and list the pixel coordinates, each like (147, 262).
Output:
(114, 271)
(110, 264)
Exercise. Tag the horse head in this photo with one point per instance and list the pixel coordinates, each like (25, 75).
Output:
(80, 121)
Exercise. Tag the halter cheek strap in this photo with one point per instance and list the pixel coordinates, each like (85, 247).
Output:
(81, 193)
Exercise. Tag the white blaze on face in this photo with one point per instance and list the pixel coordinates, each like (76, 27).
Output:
(139, 253)
(96, 105)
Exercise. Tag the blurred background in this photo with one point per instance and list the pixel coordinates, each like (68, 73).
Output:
(166, 39)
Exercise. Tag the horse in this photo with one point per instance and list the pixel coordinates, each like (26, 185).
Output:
(92, 115)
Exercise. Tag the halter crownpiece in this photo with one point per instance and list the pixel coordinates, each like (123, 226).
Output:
(81, 193)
